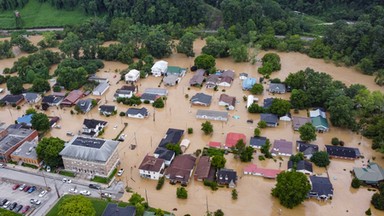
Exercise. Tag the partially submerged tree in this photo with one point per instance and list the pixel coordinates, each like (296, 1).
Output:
(320, 159)
(76, 205)
(207, 127)
(48, 150)
(307, 132)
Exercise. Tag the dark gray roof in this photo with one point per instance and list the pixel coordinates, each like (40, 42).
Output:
(269, 118)
(149, 97)
(11, 99)
(107, 108)
(134, 111)
(301, 165)
(258, 141)
(84, 104)
(321, 185)
(306, 148)
(52, 99)
(268, 102)
(341, 151)
(113, 210)
(172, 136)
(225, 176)
(201, 98)
(93, 123)
(15, 135)
(277, 87)
(30, 96)
(164, 153)
(89, 149)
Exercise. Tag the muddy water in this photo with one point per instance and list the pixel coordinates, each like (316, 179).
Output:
(254, 192)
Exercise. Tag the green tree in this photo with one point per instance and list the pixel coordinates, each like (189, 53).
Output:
(356, 183)
(181, 193)
(136, 198)
(218, 212)
(234, 194)
(296, 80)
(40, 85)
(320, 159)
(255, 108)
(378, 201)
(299, 99)
(335, 141)
(239, 52)
(218, 161)
(215, 47)
(76, 205)
(140, 209)
(307, 132)
(174, 147)
(256, 132)
(291, 189)
(205, 61)
(71, 78)
(366, 65)
(262, 124)
(159, 103)
(271, 63)
(245, 153)
(30, 111)
(159, 212)
(280, 107)
(186, 44)
(158, 44)
(71, 45)
(341, 110)
(15, 85)
(207, 127)
(40, 122)
(265, 149)
(48, 150)
(257, 89)
(379, 79)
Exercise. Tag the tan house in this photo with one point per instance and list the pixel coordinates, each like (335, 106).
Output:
(90, 156)
(26, 153)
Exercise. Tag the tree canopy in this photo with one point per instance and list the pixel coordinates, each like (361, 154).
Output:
(76, 205)
(40, 122)
(48, 150)
(307, 132)
(218, 161)
(320, 159)
(207, 127)
(291, 188)
(205, 61)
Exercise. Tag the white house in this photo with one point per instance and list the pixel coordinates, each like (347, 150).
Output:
(286, 117)
(31, 97)
(100, 89)
(225, 82)
(152, 167)
(92, 127)
(316, 113)
(132, 76)
(121, 93)
(251, 99)
(159, 68)
(137, 113)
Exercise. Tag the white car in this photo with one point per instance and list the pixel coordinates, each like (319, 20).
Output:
(65, 180)
(35, 201)
(73, 190)
(43, 193)
(48, 169)
(120, 173)
(85, 193)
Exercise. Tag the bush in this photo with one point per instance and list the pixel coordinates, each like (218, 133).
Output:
(234, 194)
(356, 183)
(211, 184)
(320, 159)
(190, 130)
(262, 124)
(261, 158)
(160, 183)
(368, 212)
(181, 193)
(122, 114)
(335, 141)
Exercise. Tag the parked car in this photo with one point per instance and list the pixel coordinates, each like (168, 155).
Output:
(22, 187)
(33, 188)
(65, 180)
(43, 193)
(25, 209)
(6, 205)
(85, 193)
(94, 186)
(48, 169)
(3, 165)
(120, 173)
(3, 202)
(15, 186)
(26, 188)
(73, 190)
(18, 208)
(12, 206)
(106, 195)
(35, 201)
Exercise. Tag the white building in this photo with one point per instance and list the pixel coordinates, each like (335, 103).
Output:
(100, 89)
(151, 167)
(159, 68)
(132, 76)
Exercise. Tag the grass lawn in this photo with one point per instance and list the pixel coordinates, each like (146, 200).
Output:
(8, 213)
(67, 173)
(36, 14)
(98, 204)
(104, 180)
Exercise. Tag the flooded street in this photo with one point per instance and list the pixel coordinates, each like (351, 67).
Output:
(254, 192)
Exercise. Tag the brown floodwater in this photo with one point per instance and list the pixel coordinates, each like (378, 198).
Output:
(254, 192)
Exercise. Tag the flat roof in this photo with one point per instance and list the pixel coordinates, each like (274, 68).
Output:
(26, 150)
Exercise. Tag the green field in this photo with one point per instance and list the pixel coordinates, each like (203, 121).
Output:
(36, 14)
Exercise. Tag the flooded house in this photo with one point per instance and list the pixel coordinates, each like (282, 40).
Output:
(203, 169)
(72, 98)
(277, 88)
(85, 105)
(227, 101)
(321, 188)
(171, 80)
(257, 142)
(297, 122)
(302, 166)
(107, 110)
(248, 83)
(52, 100)
(100, 89)
(180, 170)
(372, 174)
(132, 76)
(243, 76)
(227, 177)
(152, 167)
(307, 149)
(159, 68)
(92, 127)
(198, 78)
(165, 154)
(282, 148)
(212, 115)
(31, 97)
(26, 154)
(342, 152)
(140, 113)
(253, 169)
(232, 139)
(319, 120)
(212, 81)
(12, 99)
(271, 119)
(201, 99)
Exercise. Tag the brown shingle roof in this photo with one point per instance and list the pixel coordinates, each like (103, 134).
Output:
(181, 167)
(228, 99)
(150, 163)
(73, 96)
(203, 167)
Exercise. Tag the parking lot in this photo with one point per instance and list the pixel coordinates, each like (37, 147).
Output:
(21, 197)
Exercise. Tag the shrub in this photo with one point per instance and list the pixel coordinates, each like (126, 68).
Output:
(211, 184)
(356, 183)
(261, 158)
(368, 212)
(335, 141)
(181, 193)
(234, 194)
(122, 114)
(160, 183)
(190, 130)
(262, 124)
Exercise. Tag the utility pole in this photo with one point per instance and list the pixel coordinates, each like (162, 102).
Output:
(206, 202)
(46, 186)
(146, 197)
(57, 190)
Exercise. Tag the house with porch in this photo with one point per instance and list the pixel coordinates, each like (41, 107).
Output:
(201, 99)
(72, 98)
(100, 89)
(52, 100)
(307, 149)
(302, 166)
(180, 170)
(12, 99)
(132, 76)
(31, 97)
(107, 110)
(321, 188)
(159, 68)
(140, 113)
(226, 177)
(282, 148)
(371, 174)
(227, 101)
(277, 88)
(92, 127)
(271, 119)
(198, 78)
(152, 167)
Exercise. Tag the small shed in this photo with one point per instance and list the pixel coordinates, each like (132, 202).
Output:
(184, 144)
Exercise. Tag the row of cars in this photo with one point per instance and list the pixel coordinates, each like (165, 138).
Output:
(15, 207)
(28, 189)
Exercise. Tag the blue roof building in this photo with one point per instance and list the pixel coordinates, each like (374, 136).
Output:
(25, 120)
(248, 83)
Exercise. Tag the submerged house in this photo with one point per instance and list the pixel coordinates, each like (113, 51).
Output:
(72, 98)
(132, 76)
(227, 101)
(321, 188)
(212, 115)
(282, 148)
(100, 89)
(226, 177)
(201, 99)
(159, 68)
(271, 119)
(92, 127)
(180, 170)
(307, 149)
(342, 152)
(152, 167)
(372, 174)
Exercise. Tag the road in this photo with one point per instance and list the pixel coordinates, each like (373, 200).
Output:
(52, 180)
